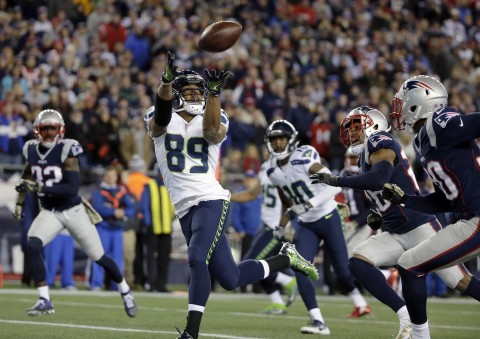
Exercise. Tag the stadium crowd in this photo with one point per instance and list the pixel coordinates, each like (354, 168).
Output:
(307, 61)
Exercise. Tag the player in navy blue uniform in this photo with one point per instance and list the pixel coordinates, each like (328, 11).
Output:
(52, 172)
(445, 141)
(383, 160)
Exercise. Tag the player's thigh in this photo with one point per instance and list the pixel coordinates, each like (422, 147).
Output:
(306, 241)
(361, 234)
(45, 226)
(84, 232)
(380, 249)
(451, 245)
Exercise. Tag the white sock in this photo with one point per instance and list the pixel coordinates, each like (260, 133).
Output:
(198, 308)
(283, 279)
(276, 298)
(421, 331)
(43, 292)
(357, 298)
(266, 268)
(123, 286)
(403, 316)
(316, 314)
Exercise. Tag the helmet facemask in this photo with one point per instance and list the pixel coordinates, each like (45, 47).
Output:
(189, 93)
(281, 128)
(417, 99)
(49, 128)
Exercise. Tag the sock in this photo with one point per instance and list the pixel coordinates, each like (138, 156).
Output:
(403, 316)
(266, 268)
(278, 262)
(43, 292)
(193, 323)
(109, 266)
(276, 298)
(473, 288)
(316, 314)
(283, 279)
(415, 294)
(357, 298)
(123, 287)
(421, 331)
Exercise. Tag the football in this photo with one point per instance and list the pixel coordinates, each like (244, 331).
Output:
(219, 36)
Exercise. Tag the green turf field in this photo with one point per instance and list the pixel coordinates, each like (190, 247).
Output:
(85, 314)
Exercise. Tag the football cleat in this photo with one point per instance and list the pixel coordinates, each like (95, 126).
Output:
(405, 332)
(184, 335)
(360, 312)
(42, 306)
(298, 263)
(315, 327)
(129, 304)
(291, 290)
(276, 309)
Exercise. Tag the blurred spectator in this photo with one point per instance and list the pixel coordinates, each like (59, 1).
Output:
(13, 134)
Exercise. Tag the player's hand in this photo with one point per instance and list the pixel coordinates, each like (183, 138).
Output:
(374, 220)
(324, 178)
(18, 212)
(216, 81)
(170, 72)
(27, 186)
(296, 210)
(279, 233)
(394, 194)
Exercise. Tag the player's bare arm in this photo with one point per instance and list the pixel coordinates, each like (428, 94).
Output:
(71, 164)
(249, 194)
(213, 130)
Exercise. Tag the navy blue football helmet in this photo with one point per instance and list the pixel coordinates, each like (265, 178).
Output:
(280, 128)
(195, 106)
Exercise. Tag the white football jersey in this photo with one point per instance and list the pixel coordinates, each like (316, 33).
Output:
(188, 163)
(293, 179)
(271, 204)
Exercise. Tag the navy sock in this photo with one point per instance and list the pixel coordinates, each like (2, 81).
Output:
(414, 291)
(35, 259)
(374, 282)
(109, 265)
(278, 263)
(193, 323)
(473, 288)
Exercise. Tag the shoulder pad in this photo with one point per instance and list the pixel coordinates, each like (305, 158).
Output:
(381, 139)
(71, 148)
(27, 145)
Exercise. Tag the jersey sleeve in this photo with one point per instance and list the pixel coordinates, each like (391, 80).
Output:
(448, 128)
(71, 148)
(224, 118)
(380, 140)
(26, 147)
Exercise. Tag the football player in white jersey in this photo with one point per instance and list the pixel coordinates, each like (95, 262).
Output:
(264, 243)
(188, 126)
(52, 172)
(289, 170)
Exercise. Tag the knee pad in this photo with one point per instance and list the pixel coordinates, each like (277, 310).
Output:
(34, 246)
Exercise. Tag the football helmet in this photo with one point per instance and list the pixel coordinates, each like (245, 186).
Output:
(281, 128)
(194, 106)
(147, 117)
(49, 127)
(417, 99)
(361, 121)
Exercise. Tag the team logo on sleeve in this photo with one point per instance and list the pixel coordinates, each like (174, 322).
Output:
(443, 118)
(377, 138)
(76, 150)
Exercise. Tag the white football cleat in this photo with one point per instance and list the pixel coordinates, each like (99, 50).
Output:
(405, 332)
(315, 327)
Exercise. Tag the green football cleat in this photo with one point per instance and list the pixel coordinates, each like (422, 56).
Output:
(276, 309)
(298, 263)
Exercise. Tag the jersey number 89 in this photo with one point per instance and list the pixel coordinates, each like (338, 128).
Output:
(195, 148)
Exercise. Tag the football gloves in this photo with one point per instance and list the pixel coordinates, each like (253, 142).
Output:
(324, 178)
(27, 186)
(216, 81)
(394, 194)
(279, 233)
(374, 220)
(170, 72)
(296, 210)
(18, 212)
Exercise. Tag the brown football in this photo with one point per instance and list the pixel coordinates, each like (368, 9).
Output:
(219, 36)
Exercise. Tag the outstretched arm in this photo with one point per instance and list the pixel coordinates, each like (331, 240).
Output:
(213, 130)
(249, 194)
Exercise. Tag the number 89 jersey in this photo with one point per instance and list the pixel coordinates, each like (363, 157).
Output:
(188, 163)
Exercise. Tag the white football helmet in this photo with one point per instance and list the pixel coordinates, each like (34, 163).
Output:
(360, 121)
(147, 117)
(281, 128)
(417, 99)
(49, 127)
(185, 78)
